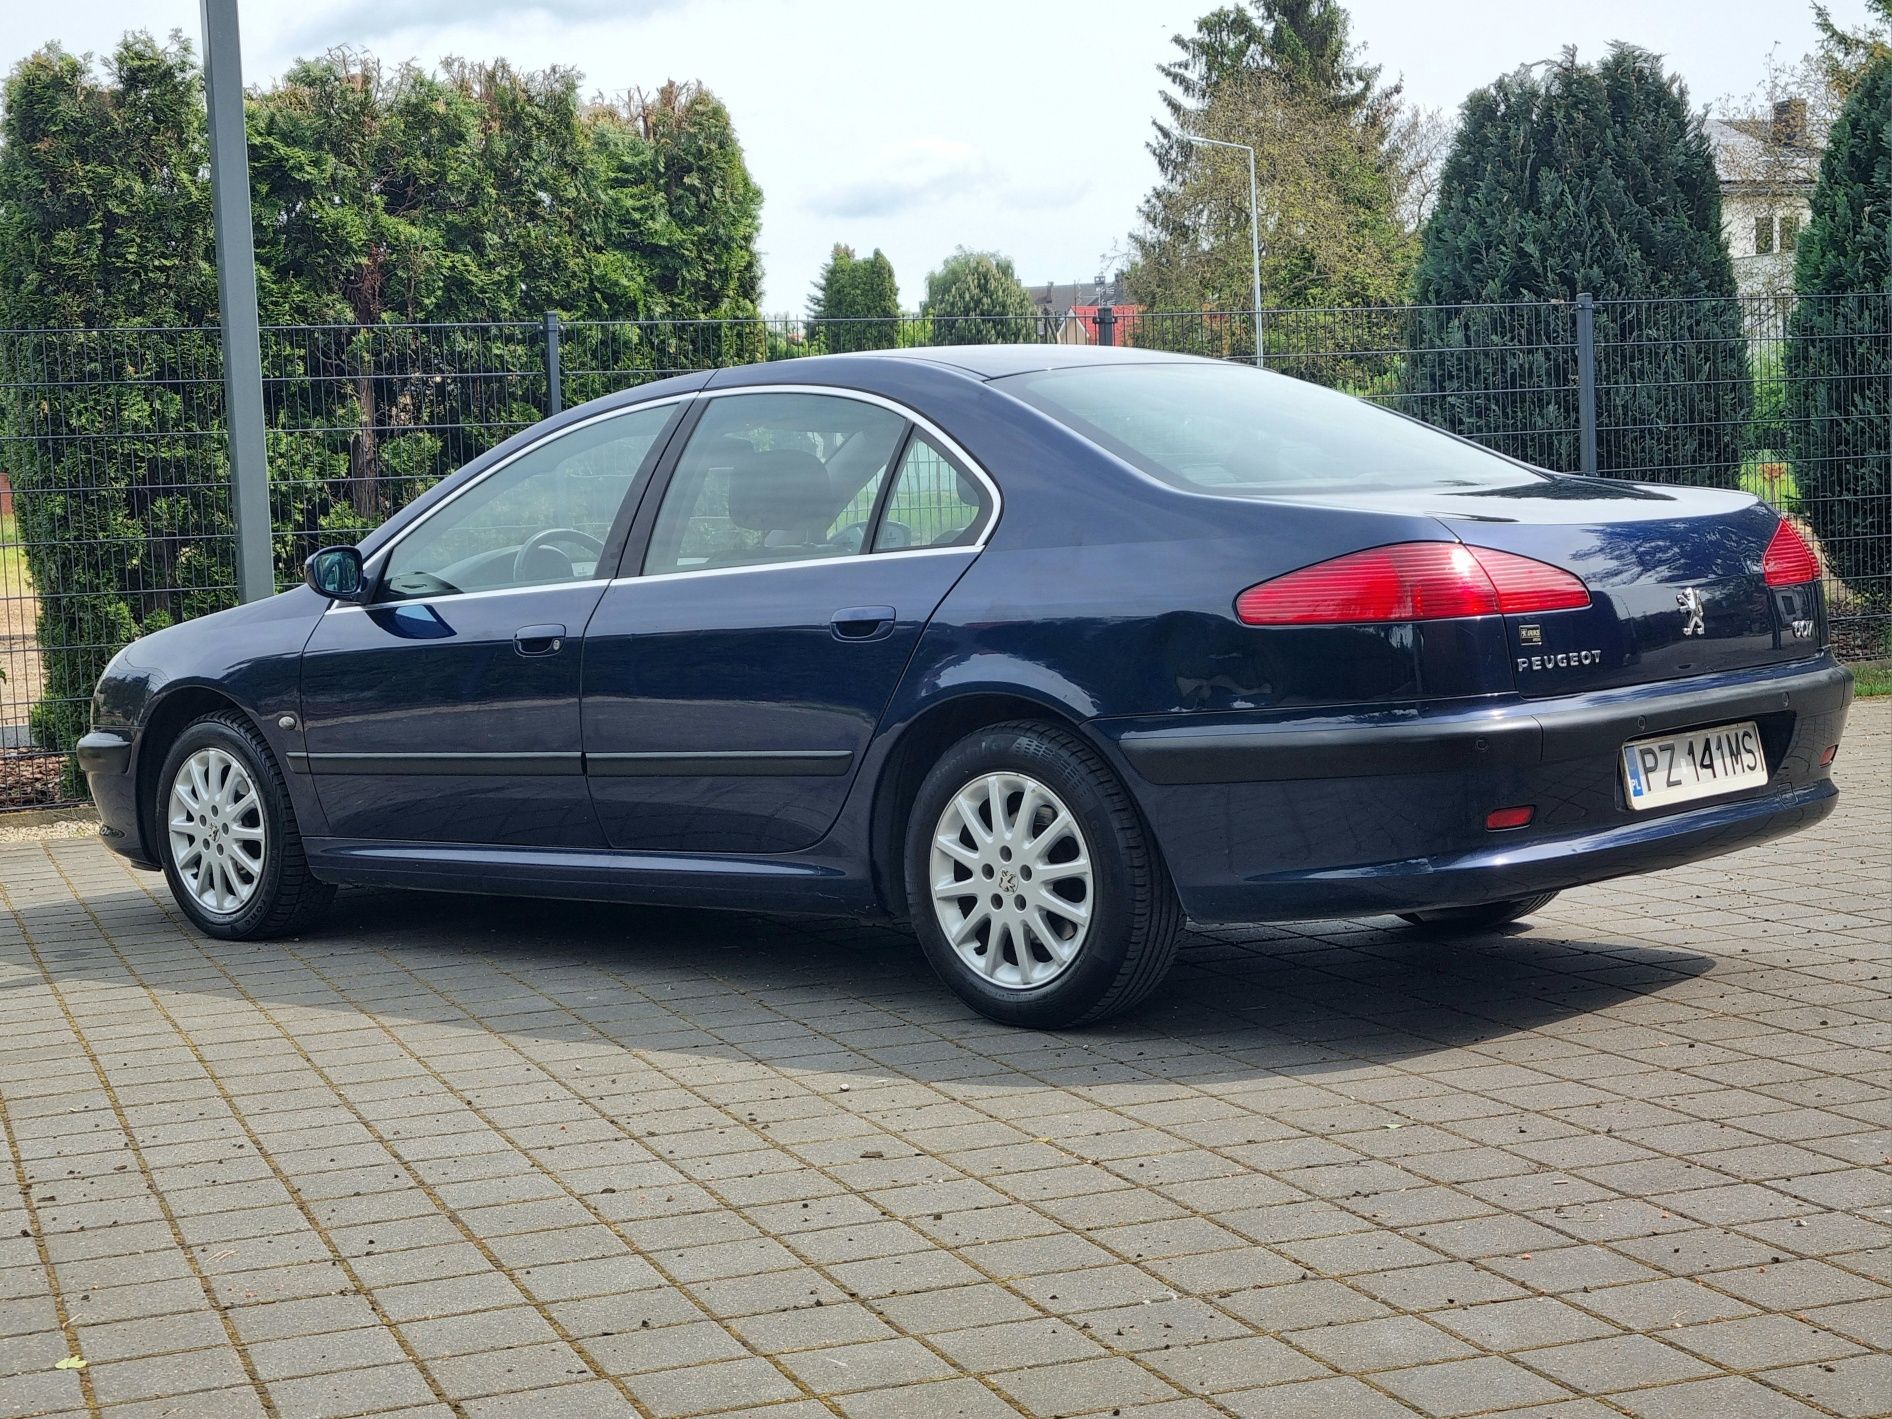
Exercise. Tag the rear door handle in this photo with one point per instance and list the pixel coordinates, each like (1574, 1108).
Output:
(862, 623)
(539, 640)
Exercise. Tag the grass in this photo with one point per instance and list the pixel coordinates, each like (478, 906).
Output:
(13, 580)
(1872, 680)
(1769, 477)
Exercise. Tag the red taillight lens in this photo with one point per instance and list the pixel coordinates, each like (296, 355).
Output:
(1525, 586)
(1410, 581)
(1498, 819)
(1789, 561)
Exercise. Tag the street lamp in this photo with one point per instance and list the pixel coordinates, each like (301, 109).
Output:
(1254, 223)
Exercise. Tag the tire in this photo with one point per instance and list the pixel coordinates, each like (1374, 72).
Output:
(1117, 928)
(1478, 918)
(239, 875)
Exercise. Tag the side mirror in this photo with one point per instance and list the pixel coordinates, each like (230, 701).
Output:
(337, 572)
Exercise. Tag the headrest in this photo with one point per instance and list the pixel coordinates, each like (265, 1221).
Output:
(964, 487)
(780, 490)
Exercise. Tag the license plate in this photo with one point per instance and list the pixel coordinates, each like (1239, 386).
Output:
(1700, 764)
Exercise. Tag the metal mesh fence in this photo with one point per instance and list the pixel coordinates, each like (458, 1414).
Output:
(115, 510)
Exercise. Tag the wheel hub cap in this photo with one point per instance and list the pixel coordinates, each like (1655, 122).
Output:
(218, 840)
(1011, 880)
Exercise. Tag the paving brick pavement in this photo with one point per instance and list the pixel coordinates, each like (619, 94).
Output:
(451, 1156)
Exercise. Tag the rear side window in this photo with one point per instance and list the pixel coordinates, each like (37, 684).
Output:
(769, 478)
(934, 502)
(1217, 428)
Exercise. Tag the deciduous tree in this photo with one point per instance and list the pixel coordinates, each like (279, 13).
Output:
(976, 298)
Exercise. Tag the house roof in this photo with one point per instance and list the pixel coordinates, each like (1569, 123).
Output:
(1748, 158)
(1057, 297)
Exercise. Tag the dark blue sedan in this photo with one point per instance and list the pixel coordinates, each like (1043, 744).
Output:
(1040, 649)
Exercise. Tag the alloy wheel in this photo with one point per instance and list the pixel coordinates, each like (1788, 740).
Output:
(219, 839)
(1011, 880)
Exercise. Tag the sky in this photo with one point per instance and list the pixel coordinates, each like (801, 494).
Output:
(1014, 125)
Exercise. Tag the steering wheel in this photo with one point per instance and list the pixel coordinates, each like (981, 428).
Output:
(548, 536)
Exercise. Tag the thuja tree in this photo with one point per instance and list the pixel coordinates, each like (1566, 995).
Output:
(411, 227)
(1839, 350)
(1571, 178)
(118, 474)
(855, 304)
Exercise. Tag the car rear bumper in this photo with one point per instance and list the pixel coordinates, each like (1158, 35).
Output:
(1262, 817)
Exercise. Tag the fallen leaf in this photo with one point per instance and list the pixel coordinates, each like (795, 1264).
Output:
(71, 1362)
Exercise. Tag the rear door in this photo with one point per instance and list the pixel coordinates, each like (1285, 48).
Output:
(446, 710)
(732, 683)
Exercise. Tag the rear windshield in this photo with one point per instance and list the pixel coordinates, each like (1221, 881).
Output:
(1219, 428)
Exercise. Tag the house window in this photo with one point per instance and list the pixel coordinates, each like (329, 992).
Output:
(1764, 234)
(1789, 230)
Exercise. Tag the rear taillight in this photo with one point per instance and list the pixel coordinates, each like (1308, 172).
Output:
(1410, 581)
(1788, 560)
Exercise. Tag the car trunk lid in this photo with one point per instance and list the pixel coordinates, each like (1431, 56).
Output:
(1674, 575)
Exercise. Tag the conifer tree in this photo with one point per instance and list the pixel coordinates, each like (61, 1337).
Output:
(1584, 178)
(1839, 350)
(855, 304)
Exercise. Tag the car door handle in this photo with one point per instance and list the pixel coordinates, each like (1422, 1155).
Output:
(539, 640)
(862, 623)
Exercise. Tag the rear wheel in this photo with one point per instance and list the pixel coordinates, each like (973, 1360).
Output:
(227, 834)
(1032, 882)
(1478, 918)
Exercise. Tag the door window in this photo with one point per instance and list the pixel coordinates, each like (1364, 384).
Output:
(542, 519)
(770, 478)
(933, 503)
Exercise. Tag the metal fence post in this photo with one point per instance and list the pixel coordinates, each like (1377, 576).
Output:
(1586, 382)
(1106, 325)
(554, 376)
(236, 301)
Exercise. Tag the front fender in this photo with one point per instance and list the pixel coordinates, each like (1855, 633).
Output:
(248, 657)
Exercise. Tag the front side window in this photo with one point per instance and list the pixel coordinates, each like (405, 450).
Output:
(770, 478)
(542, 519)
(933, 503)
(1235, 430)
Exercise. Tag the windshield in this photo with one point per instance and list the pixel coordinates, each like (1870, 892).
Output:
(1217, 428)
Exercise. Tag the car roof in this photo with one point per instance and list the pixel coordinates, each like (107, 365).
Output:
(984, 362)
(997, 361)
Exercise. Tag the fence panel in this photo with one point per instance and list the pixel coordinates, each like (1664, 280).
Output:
(115, 518)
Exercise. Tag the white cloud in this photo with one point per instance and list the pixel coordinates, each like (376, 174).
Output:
(920, 127)
(904, 175)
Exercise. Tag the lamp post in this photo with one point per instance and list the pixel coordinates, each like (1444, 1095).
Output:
(1254, 225)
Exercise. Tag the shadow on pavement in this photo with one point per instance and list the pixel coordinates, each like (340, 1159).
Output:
(1302, 999)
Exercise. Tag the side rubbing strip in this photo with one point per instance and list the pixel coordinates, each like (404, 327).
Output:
(509, 765)
(758, 763)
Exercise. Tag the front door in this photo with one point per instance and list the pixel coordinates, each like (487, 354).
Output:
(446, 710)
(801, 545)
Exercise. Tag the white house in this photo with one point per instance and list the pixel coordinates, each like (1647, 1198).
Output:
(1767, 167)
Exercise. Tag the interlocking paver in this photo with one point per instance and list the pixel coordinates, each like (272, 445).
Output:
(503, 1158)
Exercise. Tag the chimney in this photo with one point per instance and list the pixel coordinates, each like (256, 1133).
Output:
(1790, 122)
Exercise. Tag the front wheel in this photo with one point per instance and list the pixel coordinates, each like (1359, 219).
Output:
(1033, 885)
(1479, 918)
(227, 835)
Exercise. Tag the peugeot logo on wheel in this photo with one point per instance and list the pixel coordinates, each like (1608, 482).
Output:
(1690, 602)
